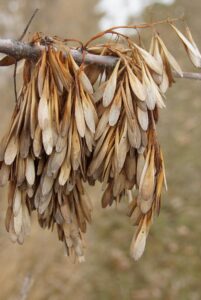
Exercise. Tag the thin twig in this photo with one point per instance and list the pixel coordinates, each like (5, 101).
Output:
(138, 26)
(14, 81)
(20, 39)
(21, 50)
(28, 24)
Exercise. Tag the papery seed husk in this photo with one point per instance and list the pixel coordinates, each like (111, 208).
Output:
(87, 86)
(37, 142)
(139, 241)
(93, 71)
(17, 202)
(65, 124)
(102, 124)
(57, 160)
(88, 113)
(119, 184)
(79, 116)
(122, 148)
(110, 88)
(148, 182)
(30, 171)
(196, 59)
(43, 112)
(11, 151)
(115, 109)
(98, 94)
(25, 142)
(143, 118)
(136, 85)
(47, 184)
(75, 149)
(140, 166)
(134, 134)
(136, 216)
(44, 202)
(107, 196)
(150, 60)
(4, 174)
(47, 138)
(170, 58)
(130, 167)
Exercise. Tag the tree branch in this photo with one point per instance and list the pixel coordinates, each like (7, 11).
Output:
(20, 50)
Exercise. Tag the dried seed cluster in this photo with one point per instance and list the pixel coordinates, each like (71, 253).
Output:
(75, 124)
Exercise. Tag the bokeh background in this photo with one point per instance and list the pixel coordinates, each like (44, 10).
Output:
(171, 266)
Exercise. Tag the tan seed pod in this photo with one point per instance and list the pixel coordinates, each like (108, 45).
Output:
(192, 49)
(107, 197)
(150, 60)
(47, 139)
(11, 151)
(4, 174)
(143, 118)
(115, 109)
(30, 171)
(174, 64)
(46, 185)
(79, 116)
(43, 112)
(196, 59)
(136, 85)
(110, 88)
(37, 142)
(147, 186)
(139, 241)
(87, 86)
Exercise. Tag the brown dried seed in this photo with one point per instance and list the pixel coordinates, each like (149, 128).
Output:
(79, 116)
(107, 197)
(43, 112)
(37, 142)
(4, 174)
(11, 151)
(87, 86)
(30, 171)
(150, 60)
(75, 149)
(65, 123)
(196, 59)
(89, 113)
(122, 148)
(143, 118)
(147, 186)
(46, 185)
(139, 241)
(115, 108)
(170, 58)
(110, 88)
(136, 85)
(56, 161)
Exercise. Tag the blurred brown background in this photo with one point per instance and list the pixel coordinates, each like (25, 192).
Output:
(171, 266)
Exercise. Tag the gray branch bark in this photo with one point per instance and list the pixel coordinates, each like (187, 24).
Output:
(20, 50)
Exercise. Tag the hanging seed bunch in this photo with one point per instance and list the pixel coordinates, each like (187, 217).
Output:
(74, 124)
(45, 151)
